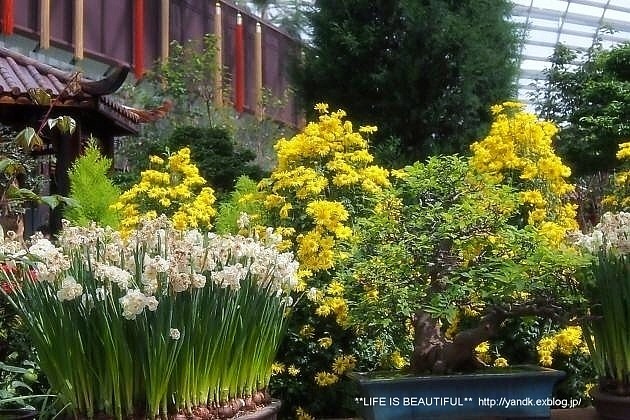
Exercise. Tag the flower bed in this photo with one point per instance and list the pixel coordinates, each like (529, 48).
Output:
(165, 321)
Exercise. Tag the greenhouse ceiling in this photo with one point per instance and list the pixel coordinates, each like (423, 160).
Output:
(575, 23)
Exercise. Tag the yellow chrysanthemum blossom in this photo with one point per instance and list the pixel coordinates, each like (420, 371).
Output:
(519, 150)
(172, 187)
(325, 378)
(327, 158)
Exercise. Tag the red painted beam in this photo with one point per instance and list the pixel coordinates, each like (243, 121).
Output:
(7, 17)
(138, 38)
(239, 89)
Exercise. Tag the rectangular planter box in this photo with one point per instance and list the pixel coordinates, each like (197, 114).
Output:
(516, 392)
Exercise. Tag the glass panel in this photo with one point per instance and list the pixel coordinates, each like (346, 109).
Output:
(583, 9)
(576, 41)
(545, 23)
(617, 15)
(551, 4)
(537, 51)
(545, 36)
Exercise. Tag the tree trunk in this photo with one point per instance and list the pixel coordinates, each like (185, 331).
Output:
(434, 353)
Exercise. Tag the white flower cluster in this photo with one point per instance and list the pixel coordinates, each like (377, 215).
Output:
(70, 289)
(158, 262)
(51, 261)
(134, 302)
(116, 275)
(612, 232)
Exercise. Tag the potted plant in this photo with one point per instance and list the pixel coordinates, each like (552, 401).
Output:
(454, 252)
(607, 327)
(159, 318)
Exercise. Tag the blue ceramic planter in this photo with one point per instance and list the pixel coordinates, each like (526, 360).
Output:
(517, 392)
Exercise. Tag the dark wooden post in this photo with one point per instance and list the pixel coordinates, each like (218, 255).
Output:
(67, 149)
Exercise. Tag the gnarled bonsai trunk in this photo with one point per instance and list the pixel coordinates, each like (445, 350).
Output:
(434, 353)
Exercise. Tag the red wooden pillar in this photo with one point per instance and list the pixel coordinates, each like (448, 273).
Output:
(7, 17)
(138, 38)
(239, 102)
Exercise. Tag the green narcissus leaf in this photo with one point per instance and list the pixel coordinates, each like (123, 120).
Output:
(28, 139)
(65, 124)
(39, 96)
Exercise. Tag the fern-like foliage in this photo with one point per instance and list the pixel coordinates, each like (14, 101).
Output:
(92, 189)
(244, 199)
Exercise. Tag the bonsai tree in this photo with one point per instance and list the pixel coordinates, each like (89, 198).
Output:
(459, 246)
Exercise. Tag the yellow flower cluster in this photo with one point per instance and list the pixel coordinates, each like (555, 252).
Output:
(277, 368)
(565, 342)
(307, 331)
(501, 362)
(482, 351)
(328, 159)
(172, 187)
(301, 414)
(326, 378)
(619, 200)
(398, 362)
(334, 305)
(519, 150)
(325, 342)
(343, 364)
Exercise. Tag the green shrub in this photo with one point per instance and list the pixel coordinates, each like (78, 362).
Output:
(219, 159)
(92, 189)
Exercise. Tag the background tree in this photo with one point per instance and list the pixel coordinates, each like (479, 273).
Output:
(591, 102)
(289, 15)
(425, 72)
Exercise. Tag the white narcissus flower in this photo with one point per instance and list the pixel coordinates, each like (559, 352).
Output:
(230, 276)
(198, 280)
(174, 333)
(180, 282)
(116, 275)
(612, 232)
(243, 220)
(312, 294)
(135, 301)
(70, 289)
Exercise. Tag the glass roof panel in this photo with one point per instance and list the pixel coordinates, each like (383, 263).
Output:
(576, 41)
(583, 9)
(544, 23)
(550, 4)
(572, 22)
(537, 51)
(617, 15)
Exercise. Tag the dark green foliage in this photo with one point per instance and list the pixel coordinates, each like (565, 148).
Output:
(591, 103)
(20, 375)
(423, 71)
(17, 166)
(92, 189)
(219, 160)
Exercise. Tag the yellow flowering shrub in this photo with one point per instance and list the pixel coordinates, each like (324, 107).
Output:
(519, 151)
(319, 171)
(564, 342)
(325, 179)
(172, 187)
(619, 199)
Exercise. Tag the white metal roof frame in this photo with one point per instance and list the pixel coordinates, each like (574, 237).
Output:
(575, 23)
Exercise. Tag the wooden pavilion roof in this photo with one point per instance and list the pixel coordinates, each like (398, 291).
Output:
(22, 76)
